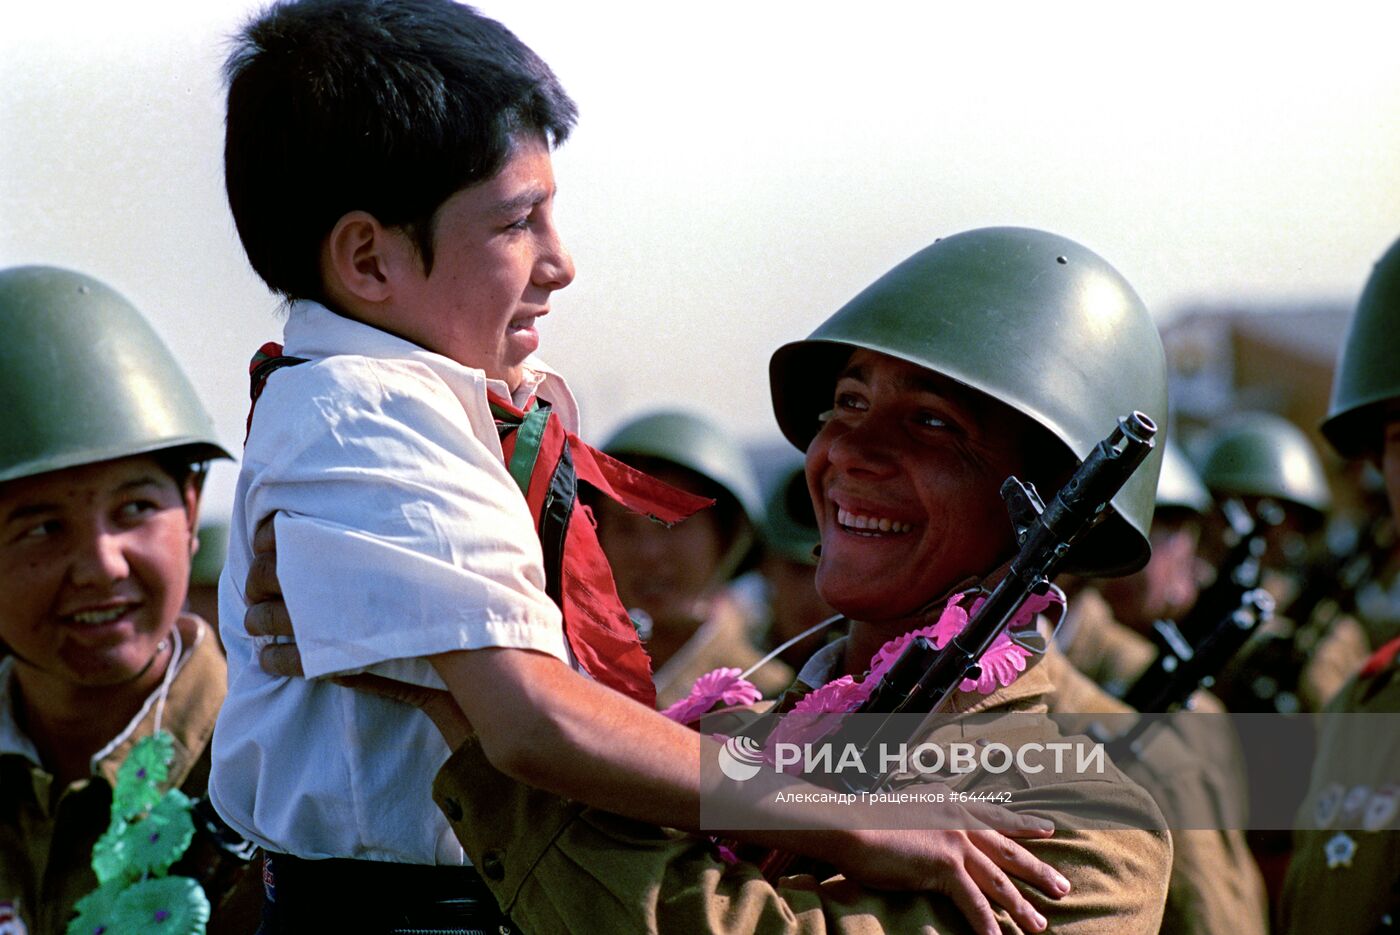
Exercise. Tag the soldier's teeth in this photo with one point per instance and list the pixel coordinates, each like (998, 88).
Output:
(874, 524)
(99, 616)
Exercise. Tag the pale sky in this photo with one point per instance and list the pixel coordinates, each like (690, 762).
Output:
(741, 170)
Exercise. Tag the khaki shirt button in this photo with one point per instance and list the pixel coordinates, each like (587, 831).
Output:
(492, 866)
(452, 809)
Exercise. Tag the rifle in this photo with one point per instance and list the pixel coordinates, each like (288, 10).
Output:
(1226, 614)
(923, 679)
(1328, 591)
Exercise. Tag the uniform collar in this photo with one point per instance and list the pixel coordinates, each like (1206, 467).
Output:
(189, 712)
(13, 740)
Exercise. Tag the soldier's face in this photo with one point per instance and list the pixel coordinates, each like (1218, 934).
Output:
(1168, 586)
(667, 571)
(905, 477)
(1390, 464)
(94, 562)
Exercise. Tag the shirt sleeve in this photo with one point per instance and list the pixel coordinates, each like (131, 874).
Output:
(400, 534)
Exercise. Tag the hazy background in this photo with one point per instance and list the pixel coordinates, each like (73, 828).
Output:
(740, 170)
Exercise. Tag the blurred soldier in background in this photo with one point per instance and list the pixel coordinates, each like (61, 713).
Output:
(1104, 634)
(1345, 875)
(789, 565)
(1295, 662)
(675, 581)
(1193, 768)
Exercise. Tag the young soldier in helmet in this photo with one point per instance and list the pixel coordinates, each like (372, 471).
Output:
(388, 168)
(1344, 877)
(1104, 634)
(911, 421)
(1272, 466)
(103, 451)
(679, 577)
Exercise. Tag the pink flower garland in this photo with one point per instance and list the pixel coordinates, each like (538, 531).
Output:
(1001, 664)
(721, 686)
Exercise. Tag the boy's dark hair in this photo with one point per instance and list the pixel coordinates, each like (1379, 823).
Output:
(384, 106)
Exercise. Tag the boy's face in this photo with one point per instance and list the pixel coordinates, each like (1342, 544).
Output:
(497, 258)
(94, 562)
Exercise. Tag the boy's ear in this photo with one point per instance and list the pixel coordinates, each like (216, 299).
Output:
(358, 259)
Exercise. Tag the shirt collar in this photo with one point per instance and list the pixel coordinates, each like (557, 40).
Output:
(314, 331)
(12, 739)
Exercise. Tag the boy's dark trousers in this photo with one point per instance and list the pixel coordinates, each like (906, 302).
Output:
(367, 897)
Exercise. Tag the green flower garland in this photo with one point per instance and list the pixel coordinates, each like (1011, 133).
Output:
(148, 833)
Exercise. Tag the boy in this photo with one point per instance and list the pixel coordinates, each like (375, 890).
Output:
(388, 169)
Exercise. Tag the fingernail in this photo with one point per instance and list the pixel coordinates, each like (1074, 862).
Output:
(1040, 923)
(1061, 884)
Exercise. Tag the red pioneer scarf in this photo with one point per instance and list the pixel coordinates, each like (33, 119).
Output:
(547, 462)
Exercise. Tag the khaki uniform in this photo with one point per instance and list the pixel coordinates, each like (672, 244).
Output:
(1110, 654)
(1344, 878)
(47, 834)
(1216, 887)
(724, 640)
(556, 866)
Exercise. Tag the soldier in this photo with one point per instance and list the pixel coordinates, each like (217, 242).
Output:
(1345, 873)
(102, 456)
(791, 540)
(678, 577)
(1105, 633)
(1269, 463)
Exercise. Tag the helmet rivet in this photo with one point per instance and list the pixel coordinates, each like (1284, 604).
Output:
(83, 290)
(1061, 260)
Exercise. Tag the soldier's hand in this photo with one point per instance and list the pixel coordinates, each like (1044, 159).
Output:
(974, 868)
(267, 613)
(267, 616)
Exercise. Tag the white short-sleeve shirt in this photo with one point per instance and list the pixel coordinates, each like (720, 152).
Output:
(400, 534)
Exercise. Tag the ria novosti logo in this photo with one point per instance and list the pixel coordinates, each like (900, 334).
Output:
(740, 758)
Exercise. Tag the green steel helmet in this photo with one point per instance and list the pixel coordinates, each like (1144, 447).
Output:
(85, 378)
(688, 441)
(209, 560)
(789, 522)
(1368, 371)
(696, 444)
(1179, 486)
(1263, 455)
(1031, 319)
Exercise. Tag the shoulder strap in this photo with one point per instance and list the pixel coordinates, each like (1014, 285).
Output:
(267, 361)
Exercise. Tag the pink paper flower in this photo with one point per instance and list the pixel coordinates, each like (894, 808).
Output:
(950, 624)
(720, 686)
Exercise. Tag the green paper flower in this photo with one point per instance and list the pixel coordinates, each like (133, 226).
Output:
(167, 906)
(142, 775)
(97, 911)
(151, 844)
(109, 857)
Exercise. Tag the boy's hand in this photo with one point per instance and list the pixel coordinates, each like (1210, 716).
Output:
(267, 616)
